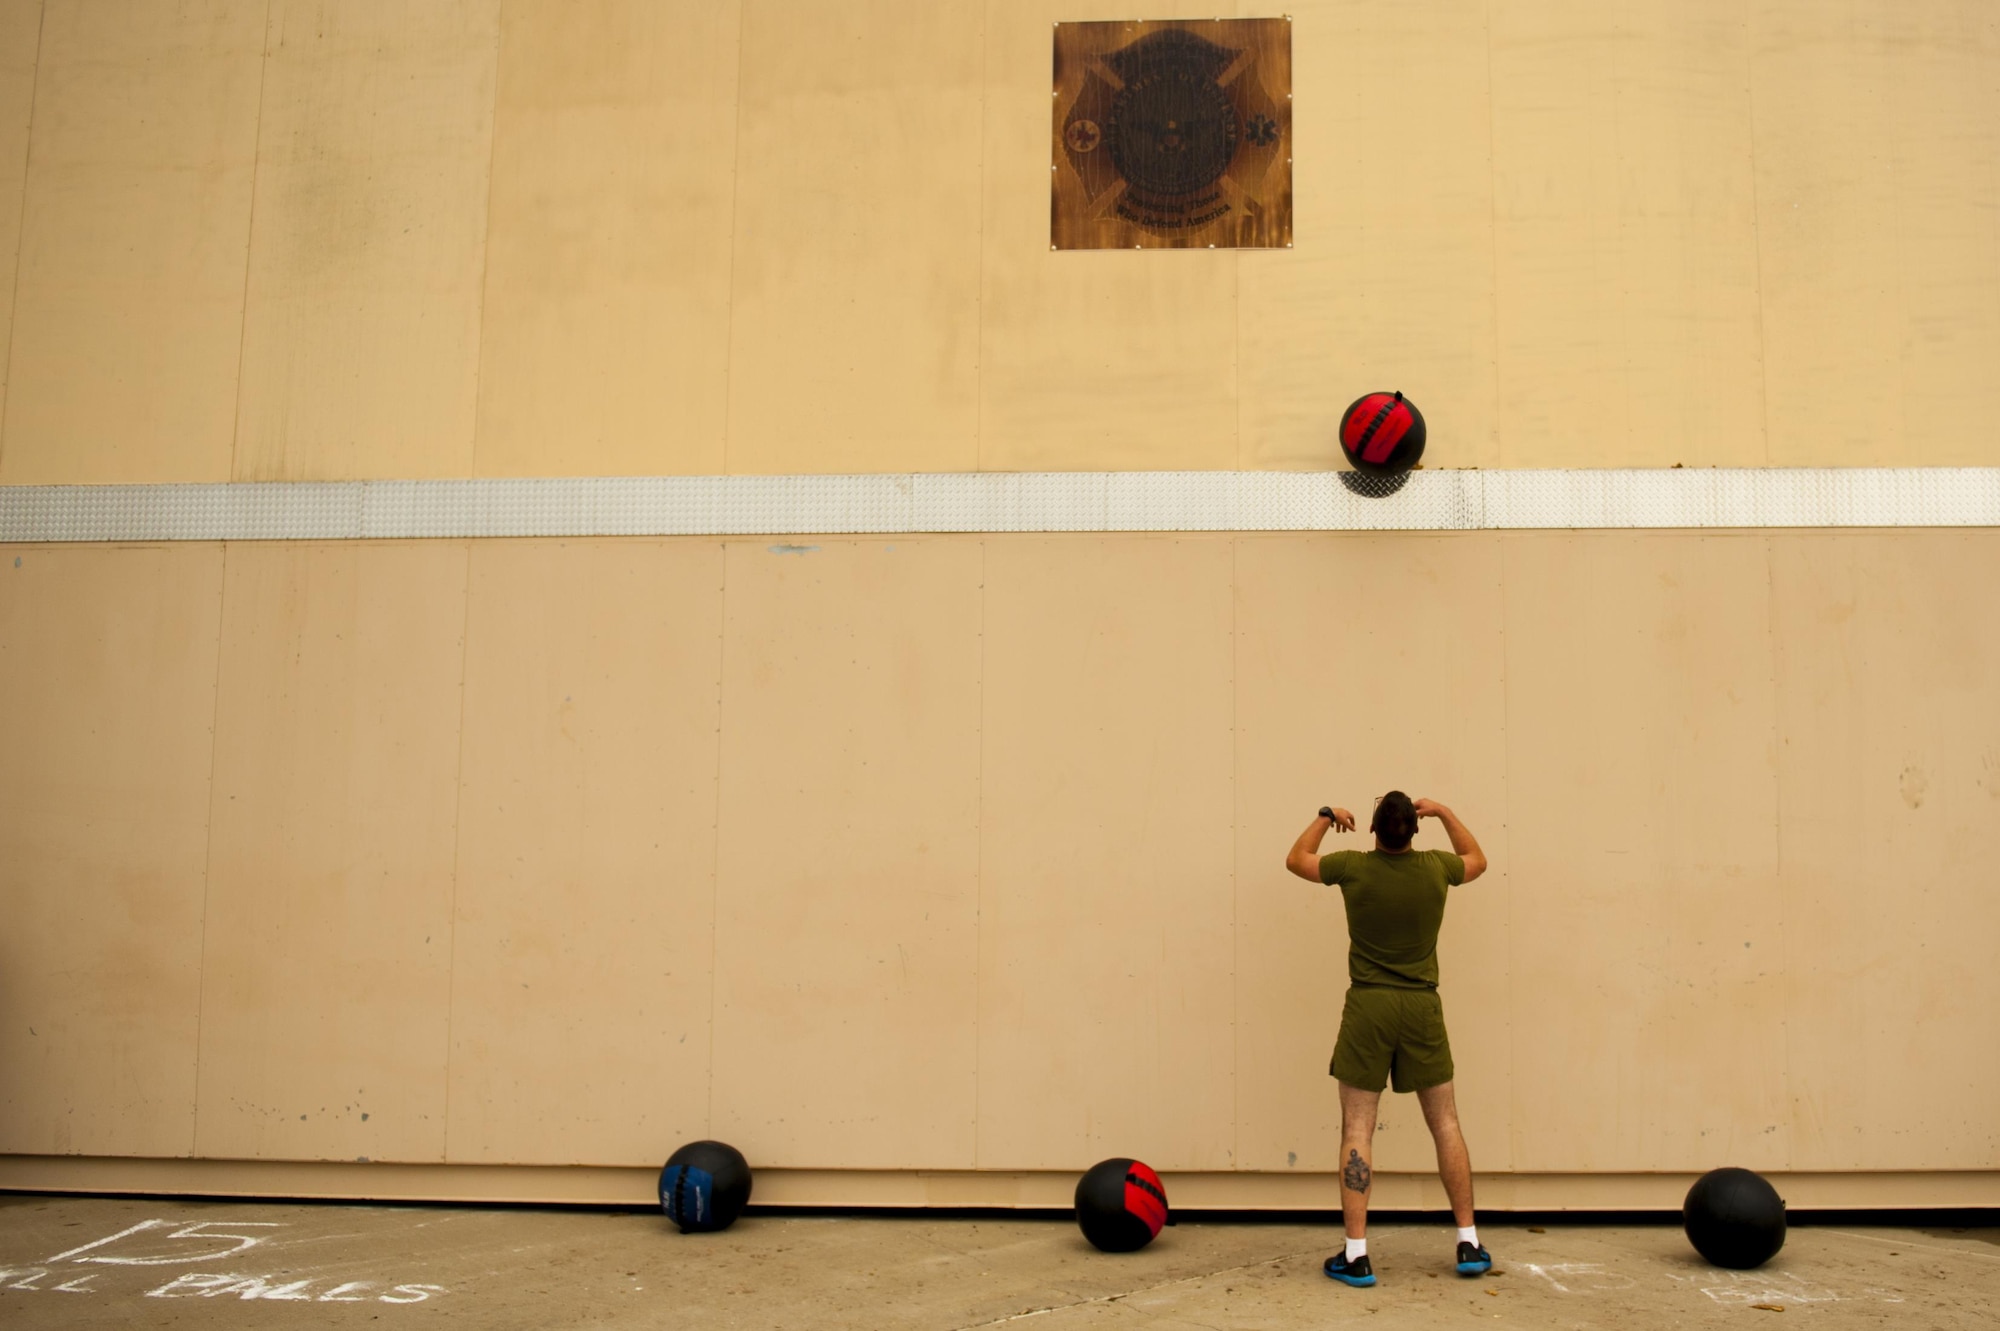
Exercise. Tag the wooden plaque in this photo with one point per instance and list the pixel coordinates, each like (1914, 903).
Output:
(1174, 134)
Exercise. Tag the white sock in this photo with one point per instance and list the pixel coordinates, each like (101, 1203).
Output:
(1356, 1248)
(1470, 1234)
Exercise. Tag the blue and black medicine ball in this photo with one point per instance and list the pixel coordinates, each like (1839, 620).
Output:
(704, 1186)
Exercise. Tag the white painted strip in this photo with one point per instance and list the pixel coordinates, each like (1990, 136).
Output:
(1162, 501)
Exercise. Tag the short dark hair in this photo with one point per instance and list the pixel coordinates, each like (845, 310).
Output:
(1395, 820)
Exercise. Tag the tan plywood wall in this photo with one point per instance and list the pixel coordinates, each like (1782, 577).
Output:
(274, 239)
(1898, 765)
(959, 853)
(1107, 762)
(361, 323)
(1876, 133)
(327, 938)
(1644, 788)
(583, 911)
(20, 42)
(847, 873)
(107, 699)
(128, 313)
(608, 239)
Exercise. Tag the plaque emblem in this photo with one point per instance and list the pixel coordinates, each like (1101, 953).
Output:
(1173, 129)
(1172, 134)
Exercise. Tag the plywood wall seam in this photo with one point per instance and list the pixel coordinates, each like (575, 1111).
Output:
(1897, 162)
(1493, 242)
(729, 334)
(1236, 359)
(20, 230)
(1757, 233)
(715, 855)
(457, 848)
(979, 864)
(1235, 843)
(249, 241)
(485, 277)
(979, 321)
(208, 848)
(1778, 845)
(1506, 844)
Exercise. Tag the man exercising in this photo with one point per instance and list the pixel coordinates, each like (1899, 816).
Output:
(1392, 1025)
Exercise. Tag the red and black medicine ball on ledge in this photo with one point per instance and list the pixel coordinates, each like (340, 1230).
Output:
(1120, 1205)
(1382, 434)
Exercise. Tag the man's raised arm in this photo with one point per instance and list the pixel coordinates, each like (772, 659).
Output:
(1304, 857)
(1463, 843)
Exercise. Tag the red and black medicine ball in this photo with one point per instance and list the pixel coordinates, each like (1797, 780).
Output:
(1382, 434)
(1120, 1205)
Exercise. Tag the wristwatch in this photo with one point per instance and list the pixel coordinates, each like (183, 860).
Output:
(1327, 813)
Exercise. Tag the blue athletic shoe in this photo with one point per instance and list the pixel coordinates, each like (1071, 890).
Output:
(1357, 1272)
(1473, 1261)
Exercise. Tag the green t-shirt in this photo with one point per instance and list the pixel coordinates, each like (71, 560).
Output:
(1395, 905)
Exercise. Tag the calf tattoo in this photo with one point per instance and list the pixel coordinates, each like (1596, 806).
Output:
(1355, 1173)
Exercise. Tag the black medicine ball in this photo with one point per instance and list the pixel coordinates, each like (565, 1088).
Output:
(1120, 1205)
(1382, 434)
(1734, 1218)
(704, 1186)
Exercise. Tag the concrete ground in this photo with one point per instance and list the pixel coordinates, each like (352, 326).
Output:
(76, 1262)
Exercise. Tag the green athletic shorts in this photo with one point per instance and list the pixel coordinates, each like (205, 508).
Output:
(1388, 1032)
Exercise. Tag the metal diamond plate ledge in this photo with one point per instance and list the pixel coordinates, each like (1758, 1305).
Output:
(1147, 501)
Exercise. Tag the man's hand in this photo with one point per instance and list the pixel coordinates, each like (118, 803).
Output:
(1304, 857)
(1463, 843)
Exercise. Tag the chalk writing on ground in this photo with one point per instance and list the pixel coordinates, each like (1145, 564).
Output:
(96, 1268)
(1570, 1276)
(1730, 1287)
